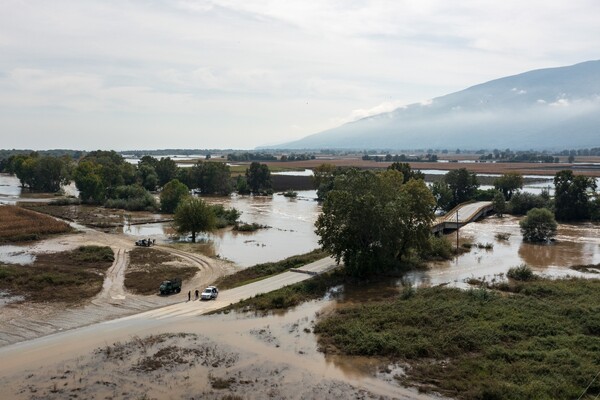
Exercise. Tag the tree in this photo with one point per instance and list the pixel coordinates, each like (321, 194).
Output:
(538, 226)
(509, 183)
(193, 215)
(407, 171)
(443, 195)
(499, 204)
(258, 177)
(171, 194)
(463, 185)
(572, 196)
(147, 176)
(166, 169)
(371, 220)
(522, 202)
(88, 179)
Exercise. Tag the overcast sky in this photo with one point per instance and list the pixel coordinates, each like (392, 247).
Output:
(134, 74)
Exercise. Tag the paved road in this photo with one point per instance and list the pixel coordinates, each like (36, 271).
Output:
(465, 212)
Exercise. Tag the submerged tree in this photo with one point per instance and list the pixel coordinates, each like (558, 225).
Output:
(539, 225)
(370, 220)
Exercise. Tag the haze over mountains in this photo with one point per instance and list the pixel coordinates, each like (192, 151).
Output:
(554, 108)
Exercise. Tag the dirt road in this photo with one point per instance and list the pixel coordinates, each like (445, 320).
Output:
(25, 321)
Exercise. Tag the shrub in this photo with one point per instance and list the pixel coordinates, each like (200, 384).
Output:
(522, 202)
(539, 225)
(521, 273)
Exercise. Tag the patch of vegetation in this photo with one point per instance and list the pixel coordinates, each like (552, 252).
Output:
(502, 236)
(69, 276)
(540, 343)
(290, 193)
(589, 268)
(486, 246)
(19, 224)
(262, 271)
(221, 383)
(149, 267)
(521, 273)
(244, 227)
(93, 254)
(225, 216)
(439, 249)
(290, 296)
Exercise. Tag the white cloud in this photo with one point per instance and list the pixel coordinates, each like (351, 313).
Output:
(254, 69)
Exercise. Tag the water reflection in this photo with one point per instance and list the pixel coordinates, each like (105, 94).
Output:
(290, 232)
(575, 244)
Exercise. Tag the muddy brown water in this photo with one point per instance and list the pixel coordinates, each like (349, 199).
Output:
(575, 244)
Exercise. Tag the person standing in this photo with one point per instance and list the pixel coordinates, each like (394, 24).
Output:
(189, 295)
(197, 294)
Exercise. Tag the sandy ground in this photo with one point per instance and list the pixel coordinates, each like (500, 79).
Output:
(155, 347)
(23, 321)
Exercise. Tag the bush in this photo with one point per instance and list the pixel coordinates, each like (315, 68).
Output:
(131, 198)
(521, 273)
(539, 225)
(439, 248)
(225, 216)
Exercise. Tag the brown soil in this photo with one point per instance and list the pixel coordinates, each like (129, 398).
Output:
(99, 217)
(19, 224)
(148, 267)
(480, 168)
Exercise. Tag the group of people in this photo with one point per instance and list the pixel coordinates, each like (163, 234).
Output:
(190, 294)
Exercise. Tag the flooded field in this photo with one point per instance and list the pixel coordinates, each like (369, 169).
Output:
(11, 191)
(575, 244)
(290, 232)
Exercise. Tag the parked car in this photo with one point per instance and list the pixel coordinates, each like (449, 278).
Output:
(210, 293)
(145, 242)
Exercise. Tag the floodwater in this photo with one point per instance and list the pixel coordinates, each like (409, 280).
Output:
(575, 244)
(10, 254)
(290, 228)
(11, 191)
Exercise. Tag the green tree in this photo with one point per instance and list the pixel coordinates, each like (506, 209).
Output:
(88, 179)
(166, 169)
(258, 177)
(171, 195)
(572, 196)
(371, 220)
(241, 185)
(407, 172)
(193, 215)
(509, 183)
(443, 195)
(522, 202)
(147, 176)
(538, 226)
(463, 185)
(499, 203)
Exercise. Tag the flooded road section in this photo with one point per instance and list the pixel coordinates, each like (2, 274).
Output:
(575, 244)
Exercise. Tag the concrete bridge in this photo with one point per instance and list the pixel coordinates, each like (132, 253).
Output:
(462, 215)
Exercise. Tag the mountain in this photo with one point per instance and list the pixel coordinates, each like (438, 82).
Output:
(553, 108)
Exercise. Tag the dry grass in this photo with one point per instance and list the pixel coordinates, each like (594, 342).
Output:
(149, 267)
(69, 276)
(18, 224)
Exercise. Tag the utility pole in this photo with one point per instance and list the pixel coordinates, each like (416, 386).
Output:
(457, 233)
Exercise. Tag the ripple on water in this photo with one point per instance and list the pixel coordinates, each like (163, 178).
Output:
(15, 255)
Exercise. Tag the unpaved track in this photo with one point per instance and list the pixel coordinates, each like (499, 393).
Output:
(19, 322)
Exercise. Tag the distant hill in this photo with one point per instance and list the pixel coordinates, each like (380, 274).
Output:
(554, 108)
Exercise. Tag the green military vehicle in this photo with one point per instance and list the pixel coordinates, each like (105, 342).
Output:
(170, 286)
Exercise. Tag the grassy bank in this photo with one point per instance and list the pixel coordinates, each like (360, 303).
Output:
(541, 341)
(262, 271)
(149, 267)
(69, 276)
(19, 224)
(290, 296)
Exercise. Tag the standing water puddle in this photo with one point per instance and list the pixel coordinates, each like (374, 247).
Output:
(16, 255)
